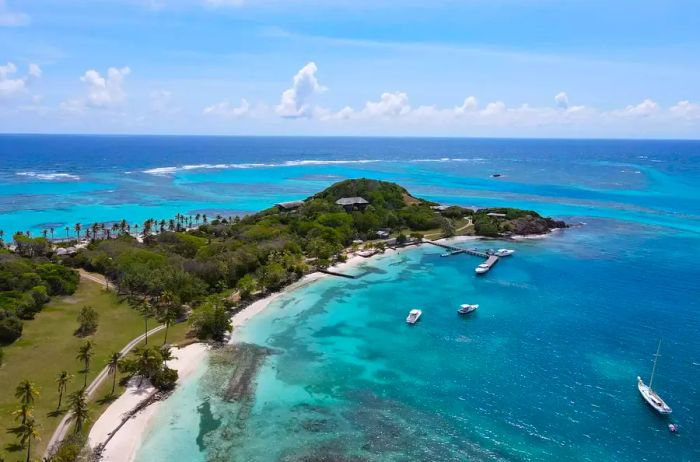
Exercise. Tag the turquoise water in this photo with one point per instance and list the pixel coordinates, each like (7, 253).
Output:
(545, 369)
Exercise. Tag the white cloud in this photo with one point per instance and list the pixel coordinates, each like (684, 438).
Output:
(226, 109)
(644, 109)
(389, 105)
(562, 100)
(470, 104)
(102, 92)
(12, 19)
(297, 101)
(495, 108)
(11, 85)
(34, 71)
(686, 110)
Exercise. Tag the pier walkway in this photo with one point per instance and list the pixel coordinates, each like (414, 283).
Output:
(457, 250)
(333, 273)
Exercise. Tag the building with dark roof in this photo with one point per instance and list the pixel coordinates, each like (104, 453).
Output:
(291, 205)
(352, 203)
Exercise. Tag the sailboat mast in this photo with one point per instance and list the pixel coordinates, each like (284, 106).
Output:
(656, 358)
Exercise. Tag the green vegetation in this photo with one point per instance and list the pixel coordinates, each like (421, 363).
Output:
(148, 362)
(48, 347)
(175, 273)
(26, 285)
(87, 321)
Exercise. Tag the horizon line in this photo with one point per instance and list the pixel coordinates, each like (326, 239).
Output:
(451, 137)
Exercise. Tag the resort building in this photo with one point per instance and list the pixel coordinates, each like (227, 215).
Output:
(289, 206)
(383, 233)
(352, 203)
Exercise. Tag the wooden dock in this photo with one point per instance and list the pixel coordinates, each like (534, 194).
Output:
(492, 260)
(457, 250)
(333, 273)
(452, 250)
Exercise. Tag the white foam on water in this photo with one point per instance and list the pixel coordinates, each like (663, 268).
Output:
(163, 171)
(49, 176)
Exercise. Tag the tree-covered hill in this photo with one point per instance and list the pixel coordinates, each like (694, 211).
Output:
(267, 250)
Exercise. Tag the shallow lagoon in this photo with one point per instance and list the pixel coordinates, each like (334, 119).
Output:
(544, 369)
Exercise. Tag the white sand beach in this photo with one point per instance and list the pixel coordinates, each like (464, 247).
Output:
(124, 444)
(122, 447)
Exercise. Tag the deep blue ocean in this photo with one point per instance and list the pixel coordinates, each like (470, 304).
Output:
(544, 370)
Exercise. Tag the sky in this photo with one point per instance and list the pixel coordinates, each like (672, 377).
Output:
(484, 68)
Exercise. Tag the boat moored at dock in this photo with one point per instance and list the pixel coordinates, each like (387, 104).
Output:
(504, 252)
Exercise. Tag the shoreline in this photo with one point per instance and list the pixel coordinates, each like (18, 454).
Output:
(123, 445)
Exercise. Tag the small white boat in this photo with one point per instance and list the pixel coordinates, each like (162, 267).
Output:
(413, 316)
(504, 252)
(482, 268)
(649, 395)
(466, 308)
(446, 255)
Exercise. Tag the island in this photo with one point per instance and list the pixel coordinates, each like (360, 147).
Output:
(192, 274)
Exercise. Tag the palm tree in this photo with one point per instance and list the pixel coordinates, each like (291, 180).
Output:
(146, 310)
(77, 228)
(167, 300)
(112, 364)
(204, 219)
(51, 230)
(196, 218)
(147, 362)
(2, 235)
(79, 408)
(85, 355)
(26, 392)
(27, 433)
(45, 232)
(67, 231)
(62, 380)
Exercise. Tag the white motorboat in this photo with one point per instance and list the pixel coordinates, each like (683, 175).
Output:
(504, 252)
(466, 308)
(649, 395)
(482, 268)
(413, 316)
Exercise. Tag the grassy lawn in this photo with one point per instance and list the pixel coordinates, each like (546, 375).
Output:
(48, 346)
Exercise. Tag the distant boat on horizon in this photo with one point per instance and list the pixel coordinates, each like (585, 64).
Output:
(649, 395)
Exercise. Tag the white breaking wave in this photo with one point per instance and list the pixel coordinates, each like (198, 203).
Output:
(49, 176)
(163, 171)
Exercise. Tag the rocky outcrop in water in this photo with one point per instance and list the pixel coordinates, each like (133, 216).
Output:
(535, 225)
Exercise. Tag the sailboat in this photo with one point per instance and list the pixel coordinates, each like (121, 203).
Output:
(649, 395)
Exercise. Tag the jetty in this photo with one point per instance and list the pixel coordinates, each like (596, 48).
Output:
(452, 250)
(488, 264)
(458, 250)
(333, 273)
